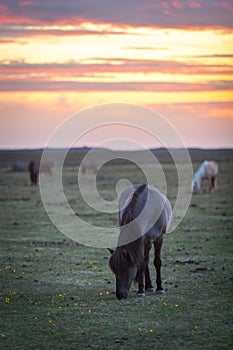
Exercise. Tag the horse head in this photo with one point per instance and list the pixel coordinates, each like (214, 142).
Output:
(195, 187)
(125, 269)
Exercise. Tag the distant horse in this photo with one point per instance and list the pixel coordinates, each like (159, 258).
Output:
(35, 167)
(88, 167)
(144, 217)
(207, 171)
(46, 168)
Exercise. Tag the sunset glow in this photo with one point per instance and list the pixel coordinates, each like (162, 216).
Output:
(172, 56)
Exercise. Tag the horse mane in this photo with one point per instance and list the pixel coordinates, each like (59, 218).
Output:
(130, 253)
(127, 216)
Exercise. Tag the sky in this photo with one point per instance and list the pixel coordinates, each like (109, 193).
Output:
(60, 57)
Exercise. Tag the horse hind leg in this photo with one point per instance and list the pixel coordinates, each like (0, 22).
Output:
(158, 263)
(33, 179)
(143, 273)
(213, 183)
(148, 284)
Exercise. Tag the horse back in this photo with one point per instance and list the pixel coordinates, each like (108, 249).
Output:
(152, 211)
(212, 169)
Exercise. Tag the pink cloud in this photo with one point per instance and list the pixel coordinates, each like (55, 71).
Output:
(178, 4)
(166, 8)
(25, 3)
(194, 5)
(227, 6)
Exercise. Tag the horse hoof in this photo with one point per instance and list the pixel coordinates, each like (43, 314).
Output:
(140, 295)
(160, 292)
(150, 290)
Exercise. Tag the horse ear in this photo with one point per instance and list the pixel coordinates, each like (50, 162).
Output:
(111, 250)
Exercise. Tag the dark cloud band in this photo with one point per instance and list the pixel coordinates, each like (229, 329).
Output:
(166, 14)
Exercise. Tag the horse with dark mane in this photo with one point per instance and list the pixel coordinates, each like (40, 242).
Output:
(207, 171)
(144, 217)
(35, 167)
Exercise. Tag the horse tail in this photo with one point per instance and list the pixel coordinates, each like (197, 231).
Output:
(127, 216)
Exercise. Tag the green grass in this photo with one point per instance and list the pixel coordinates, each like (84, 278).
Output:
(56, 294)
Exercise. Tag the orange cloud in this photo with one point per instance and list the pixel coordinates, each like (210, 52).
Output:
(114, 65)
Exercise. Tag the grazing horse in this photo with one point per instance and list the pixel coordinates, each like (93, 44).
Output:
(35, 167)
(88, 167)
(46, 168)
(207, 171)
(144, 217)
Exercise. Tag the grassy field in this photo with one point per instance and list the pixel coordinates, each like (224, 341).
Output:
(57, 294)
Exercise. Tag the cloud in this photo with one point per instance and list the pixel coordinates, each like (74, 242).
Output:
(115, 65)
(194, 5)
(17, 31)
(171, 13)
(48, 85)
(177, 4)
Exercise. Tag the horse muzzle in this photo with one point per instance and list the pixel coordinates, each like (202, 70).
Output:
(122, 295)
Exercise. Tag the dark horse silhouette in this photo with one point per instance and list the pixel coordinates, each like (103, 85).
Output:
(145, 215)
(35, 167)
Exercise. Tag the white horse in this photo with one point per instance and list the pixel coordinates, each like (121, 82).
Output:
(207, 171)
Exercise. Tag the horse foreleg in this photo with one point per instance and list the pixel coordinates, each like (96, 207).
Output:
(158, 263)
(201, 189)
(36, 178)
(140, 278)
(32, 179)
